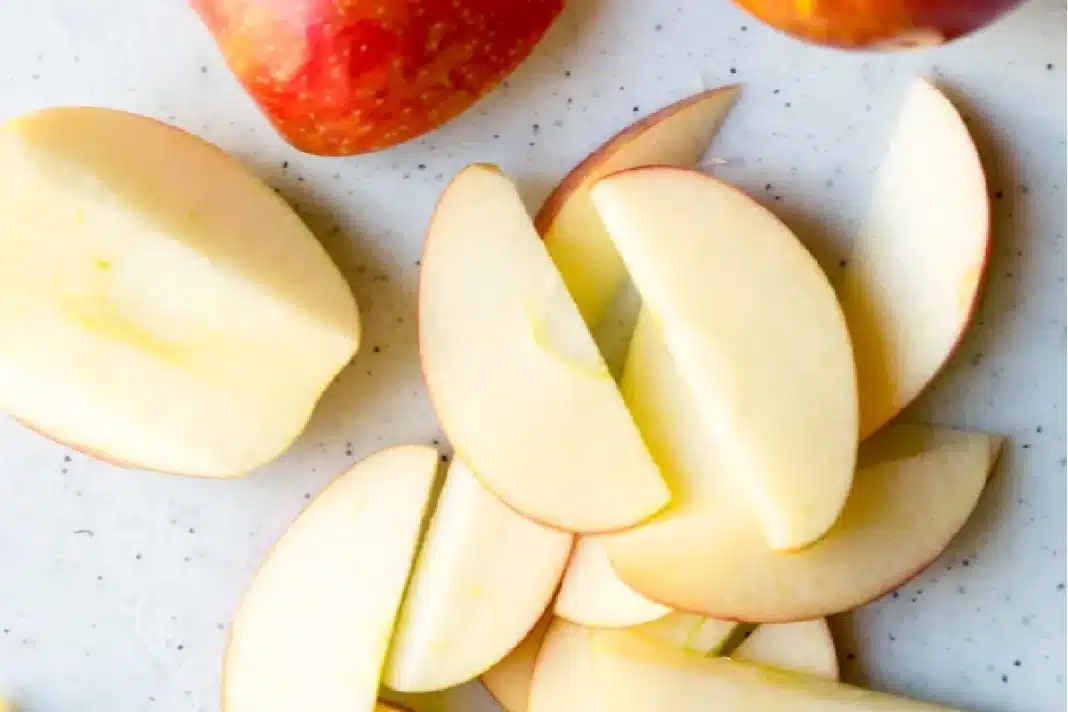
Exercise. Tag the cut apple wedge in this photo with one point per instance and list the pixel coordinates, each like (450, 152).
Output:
(914, 489)
(160, 306)
(686, 630)
(638, 675)
(677, 135)
(508, 681)
(483, 577)
(805, 646)
(313, 629)
(567, 676)
(592, 595)
(912, 283)
(757, 334)
(514, 375)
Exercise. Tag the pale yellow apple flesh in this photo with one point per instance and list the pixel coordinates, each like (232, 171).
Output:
(591, 594)
(483, 577)
(160, 306)
(514, 375)
(639, 675)
(313, 628)
(508, 681)
(913, 279)
(914, 489)
(805, 646)
(686, 630)
(566, 675)
(757, 334)
(679, 135)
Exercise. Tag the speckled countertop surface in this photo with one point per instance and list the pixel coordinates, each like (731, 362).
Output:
(116, 586)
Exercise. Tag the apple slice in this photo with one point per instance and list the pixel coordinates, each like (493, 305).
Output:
(483, 577)
(638, 675)
(686, 630)
(160, 306)
(313, 628)
(580, 248)
(565, 677)
(516, 379)
(508, 681)
(757, 333)
(805, 646)
(915, 488)
(591, 594)
(912, 283)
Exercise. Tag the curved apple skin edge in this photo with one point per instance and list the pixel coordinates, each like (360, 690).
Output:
(380, 705)
(627, 149)
(589, 165)
(995, 457)
(977, 294)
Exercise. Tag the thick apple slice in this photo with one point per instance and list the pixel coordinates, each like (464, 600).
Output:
(757, 333)
(914, 489)
(160, 306)
(805, 646)
(313, 629)
(515, 377)
(638, 675)
(912, 283)
(591, 594)
(484, 576)
(508, 681)
(676, 135)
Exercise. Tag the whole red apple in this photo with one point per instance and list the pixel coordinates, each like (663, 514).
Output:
(878, 24)
(339, 77)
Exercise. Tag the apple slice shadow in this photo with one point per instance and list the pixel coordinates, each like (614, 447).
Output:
(388, 356)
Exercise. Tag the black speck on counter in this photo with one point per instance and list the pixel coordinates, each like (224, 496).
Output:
(977, 359)
(966, 563)
(1017, 662)
(421, 167)
(744, 28)
(1038, 429)
(307, 495)
(1049, 67)
(896, 594)
(734, 70)
(775, 91)
(1004, 678)
(851, 656)
(787, 105)
(138, 557)
(657, 27)
(87, 532)
(892, 637)
(999, 194)
(66, 458)
(635, 109)
(203, 69)
(843, 263)
(1024, 189)
(377, 349)
(285, 165)
(567, 72)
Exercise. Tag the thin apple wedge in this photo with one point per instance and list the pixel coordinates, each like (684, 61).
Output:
(592, 595)
(912, 282)
(676, 135)
(483, 577)
(160, 306)
(637, 675)
(915, 488)
(686, 630)
(514, 375)
(757, 333)
(313, 629)
(805, 646)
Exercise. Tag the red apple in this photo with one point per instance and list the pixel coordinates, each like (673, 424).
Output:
(878, 24)
(339, 77)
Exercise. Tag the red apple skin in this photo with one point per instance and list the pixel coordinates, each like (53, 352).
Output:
(878, 24)
(342, 77)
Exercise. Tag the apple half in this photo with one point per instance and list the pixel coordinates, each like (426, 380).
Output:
(160, 306)
(678, 135)
(637, 674)
(757, 333)
(313, 628)
(914, 489)
(483, 577)
(514, 375)
(912, 283)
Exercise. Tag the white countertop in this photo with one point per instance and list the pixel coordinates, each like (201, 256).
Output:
(116, 586)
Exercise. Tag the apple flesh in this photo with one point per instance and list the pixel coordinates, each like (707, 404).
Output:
(592, 595)
(340, 78)
(580, 248)
(880, 24)
(160, 306)
(514, 375)
(508, 682)
(805, 646)
(912, 283)
(914, 489)
(757, 333)
(638, 675)
(313, 629)
(483, 577)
